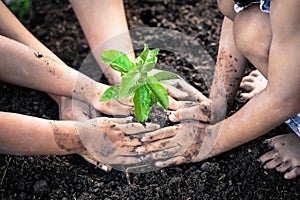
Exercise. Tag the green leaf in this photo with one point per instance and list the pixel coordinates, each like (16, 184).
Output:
(147, 59)
(158, 91)
(141, 102)
(129, 81)
(111, 93)
(153, 99)
(117, 60)
(165, 75)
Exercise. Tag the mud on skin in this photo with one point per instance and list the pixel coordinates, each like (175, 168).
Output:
(68, 141)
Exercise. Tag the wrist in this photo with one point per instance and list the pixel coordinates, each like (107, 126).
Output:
(66, 135)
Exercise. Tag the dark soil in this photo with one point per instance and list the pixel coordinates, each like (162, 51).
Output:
(232, 175)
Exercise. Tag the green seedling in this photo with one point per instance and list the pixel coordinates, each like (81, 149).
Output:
(145, 90)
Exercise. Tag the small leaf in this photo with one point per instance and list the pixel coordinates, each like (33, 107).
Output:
(111, 93)
(141, 102)
(147, 59)
(165, 75)
(153, 99)
(158, 91)
(117, 60)
(129, 81)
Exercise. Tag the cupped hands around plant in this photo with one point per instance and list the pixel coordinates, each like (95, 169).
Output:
(146, 90)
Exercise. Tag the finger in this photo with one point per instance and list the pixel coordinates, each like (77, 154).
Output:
(116, 108)
(164, 154)
(160, 134)
(124, 120)
(99, 165)
(248, 86)
(173, 104)
(176, 93)
(248, 79)
(134, 128)
(200, 112)
(173, 161)
(193, 92)
(154, 146)
(255, 73)
(247, 95)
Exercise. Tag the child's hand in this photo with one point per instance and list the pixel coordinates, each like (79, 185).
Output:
(189, 141)
(111, 141)
(200, 112)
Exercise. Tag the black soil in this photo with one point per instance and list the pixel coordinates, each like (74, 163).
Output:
(232, 175)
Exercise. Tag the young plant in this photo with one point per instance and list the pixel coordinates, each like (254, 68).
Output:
(146, 90)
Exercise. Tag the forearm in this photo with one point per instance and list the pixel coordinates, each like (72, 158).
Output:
(12, 28)
(25, 135)
(105, 27)
(26, 67)
(262, 113)
(230, 67)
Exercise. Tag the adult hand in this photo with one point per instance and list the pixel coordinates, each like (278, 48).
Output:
(187, 142)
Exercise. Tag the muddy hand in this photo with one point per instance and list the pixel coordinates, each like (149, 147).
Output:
(201, 111)
(180, 89)
(72, 109)
(119, 107)
(189, 141)
(111, 141)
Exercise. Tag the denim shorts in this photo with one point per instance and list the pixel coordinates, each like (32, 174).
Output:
(264, 5)
(294, 123)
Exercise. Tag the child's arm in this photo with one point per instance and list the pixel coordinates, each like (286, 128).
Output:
(278, 102)
(26, 135)
(26, 67)
(105, 27)
(230, 68)
(105, 140)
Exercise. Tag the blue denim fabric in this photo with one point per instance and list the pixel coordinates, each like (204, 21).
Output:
(264, 5)
(294, 123)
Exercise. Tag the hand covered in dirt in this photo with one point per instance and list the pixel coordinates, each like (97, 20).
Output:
(197, 108)
(187, 142)
(111, 141)
(92, 95)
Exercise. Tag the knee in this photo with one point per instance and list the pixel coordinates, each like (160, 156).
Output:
(226, 8)
(252, 40)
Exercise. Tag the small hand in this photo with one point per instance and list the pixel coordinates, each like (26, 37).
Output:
(111, 141)
(119, 107)
(187, 142)
(201, 111)
(72, 109)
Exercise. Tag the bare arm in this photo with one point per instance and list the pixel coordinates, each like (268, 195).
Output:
(105, 27)
(230, 67)
(24, 66)
(25, 135)
(278, 102)
(281, 98)
(12, 28)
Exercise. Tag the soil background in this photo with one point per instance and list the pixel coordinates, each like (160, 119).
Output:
(233, 175)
